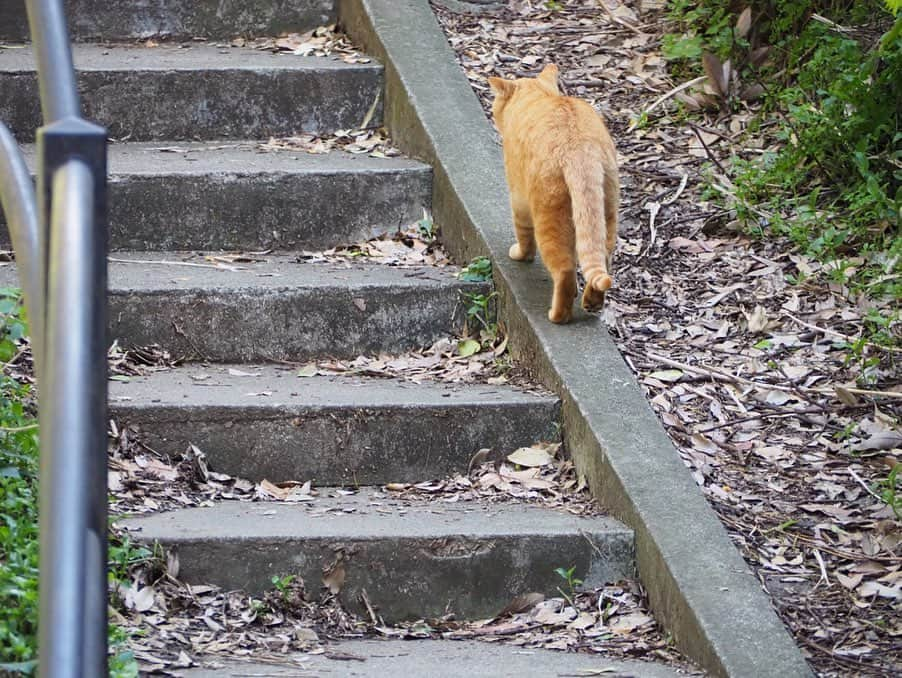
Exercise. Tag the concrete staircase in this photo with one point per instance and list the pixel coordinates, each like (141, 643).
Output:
(185, 176)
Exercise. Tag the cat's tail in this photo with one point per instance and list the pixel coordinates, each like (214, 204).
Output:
(584, 175)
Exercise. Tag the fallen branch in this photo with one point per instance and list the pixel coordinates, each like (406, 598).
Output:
(720, 375)
(840, 335)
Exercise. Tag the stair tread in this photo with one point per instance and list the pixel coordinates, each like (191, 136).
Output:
(174, 57)
(200, 92)
(135, 272)
(436, 659)
(238, 158)
(368, 514)
(228, 386)
(127, 19)
(281, 271)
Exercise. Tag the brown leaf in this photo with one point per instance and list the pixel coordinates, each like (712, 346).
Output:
(478, 459)
(759, 56)
(715, 72)
(744, 22)
(752, 92)
(334, 574)
(521, 603)
(689, 101)
(530, 456)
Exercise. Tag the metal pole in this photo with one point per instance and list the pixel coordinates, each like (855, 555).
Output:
(18, 202)
(73, 611)
(47, 23)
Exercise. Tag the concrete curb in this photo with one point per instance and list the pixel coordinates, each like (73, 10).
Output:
(698, 585)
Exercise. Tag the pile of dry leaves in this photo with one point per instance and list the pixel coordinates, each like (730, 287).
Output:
(321, 42)
(370, 141)
(760, 366)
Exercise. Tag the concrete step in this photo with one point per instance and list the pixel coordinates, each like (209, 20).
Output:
(331, 430)
(413, 560)
(211, 196)
(131, 19)
(277, 310)
(199, 92)
(435, 659)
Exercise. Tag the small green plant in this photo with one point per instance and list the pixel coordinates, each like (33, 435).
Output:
(553, 5)
(890, 491)
(282, 583)
(13, 323)
(478, 270)
(426, 228)
(123, 555)
(569, 577)
(122, 662)
(481, 317)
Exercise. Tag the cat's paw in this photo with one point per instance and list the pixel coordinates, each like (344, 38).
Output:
(517, 254)
(560, 316)
(593, 294)
(593, 300)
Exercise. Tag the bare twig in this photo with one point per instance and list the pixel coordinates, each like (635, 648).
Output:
(616, 19)
(820, 561)
(676, 90)
(834, 333)
(162, 262)
(863, 484)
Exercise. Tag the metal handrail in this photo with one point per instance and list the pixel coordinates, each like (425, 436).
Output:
(59, 234)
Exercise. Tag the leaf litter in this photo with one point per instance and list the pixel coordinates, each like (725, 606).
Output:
(173, 624)
(758, 363)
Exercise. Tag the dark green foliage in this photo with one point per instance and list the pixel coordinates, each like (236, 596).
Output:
(18, 501)
(19, 515)
(478, 270)
(835, 184)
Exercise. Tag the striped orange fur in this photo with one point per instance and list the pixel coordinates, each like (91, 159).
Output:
(561, 168)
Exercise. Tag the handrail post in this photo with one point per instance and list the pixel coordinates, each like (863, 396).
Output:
(73, 400)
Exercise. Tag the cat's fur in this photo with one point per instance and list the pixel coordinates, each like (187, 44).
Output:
(561, 168)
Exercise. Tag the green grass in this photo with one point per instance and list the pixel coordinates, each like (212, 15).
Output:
(19, 515)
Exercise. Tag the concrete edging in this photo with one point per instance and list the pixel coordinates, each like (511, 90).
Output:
(698, 585)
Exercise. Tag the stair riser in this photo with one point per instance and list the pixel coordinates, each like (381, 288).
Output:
(412, 578)
(222, 211)
(130, 19)
(215, 104)
(341, 445)
(246, 325)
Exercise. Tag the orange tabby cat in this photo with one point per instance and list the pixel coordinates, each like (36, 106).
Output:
(561, 168)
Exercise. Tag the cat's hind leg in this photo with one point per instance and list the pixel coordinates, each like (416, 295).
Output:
(525, 247)
(557, 245)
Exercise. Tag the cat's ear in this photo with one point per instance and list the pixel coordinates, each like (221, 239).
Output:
(502, 87)
(549, 76)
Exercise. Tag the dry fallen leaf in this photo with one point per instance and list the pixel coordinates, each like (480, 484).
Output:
(530, 457)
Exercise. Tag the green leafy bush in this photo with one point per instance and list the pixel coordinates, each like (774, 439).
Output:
(18, 502)
(832, 85)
